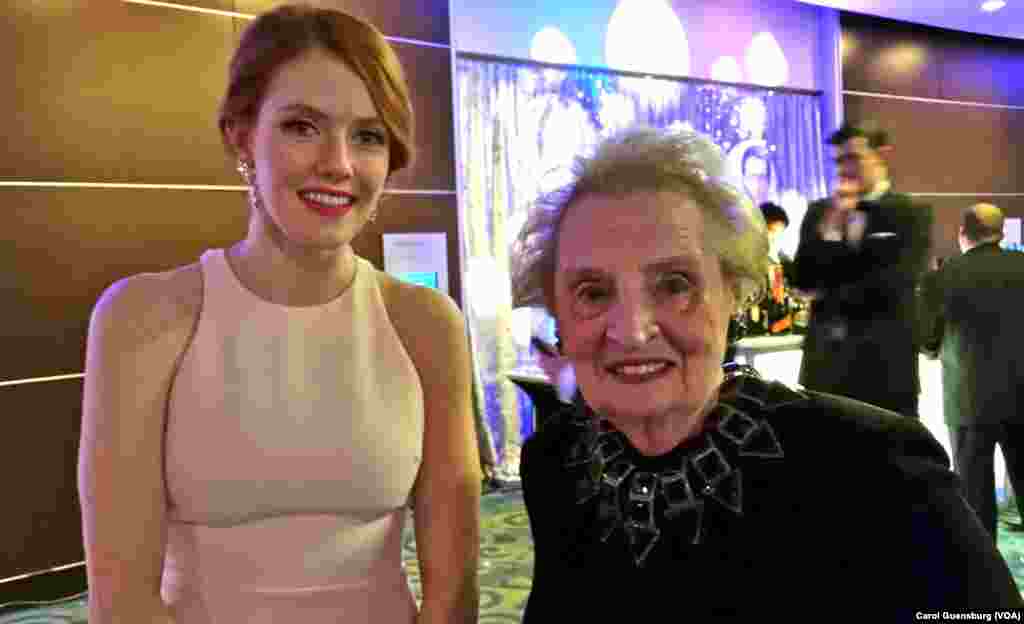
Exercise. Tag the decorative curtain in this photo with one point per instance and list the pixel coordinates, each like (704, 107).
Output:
(521, 125)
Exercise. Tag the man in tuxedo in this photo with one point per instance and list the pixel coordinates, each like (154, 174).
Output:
(971, 320)
(862, 252)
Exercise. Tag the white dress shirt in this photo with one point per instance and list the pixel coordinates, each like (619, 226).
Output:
(857, 220)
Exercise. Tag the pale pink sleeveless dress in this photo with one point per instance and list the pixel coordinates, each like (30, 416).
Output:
(294, 435)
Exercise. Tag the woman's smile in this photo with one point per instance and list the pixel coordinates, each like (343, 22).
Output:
(640, 372)
(329, 204)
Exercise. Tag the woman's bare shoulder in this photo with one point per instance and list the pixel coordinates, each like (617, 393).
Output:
(417, 311)
(146, 305)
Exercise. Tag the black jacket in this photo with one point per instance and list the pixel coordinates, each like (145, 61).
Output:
(971, 317)
(868, 291)
(860, 514)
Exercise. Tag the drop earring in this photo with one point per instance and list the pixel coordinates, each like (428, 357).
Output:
(245, 170)
(373, 213)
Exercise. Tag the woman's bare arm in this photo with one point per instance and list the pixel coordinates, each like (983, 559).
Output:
(138, 330)
(447, 492)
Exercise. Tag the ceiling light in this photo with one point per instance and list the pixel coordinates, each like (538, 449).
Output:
(992, 5)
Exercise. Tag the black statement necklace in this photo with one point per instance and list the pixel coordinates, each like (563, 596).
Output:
(704, 480)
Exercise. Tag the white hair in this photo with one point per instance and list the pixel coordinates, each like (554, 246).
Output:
(641, 159)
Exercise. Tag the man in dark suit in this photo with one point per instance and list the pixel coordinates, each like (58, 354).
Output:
(971, 319)
(861, 254)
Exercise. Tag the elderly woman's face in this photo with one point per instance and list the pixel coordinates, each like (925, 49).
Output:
(642, 310)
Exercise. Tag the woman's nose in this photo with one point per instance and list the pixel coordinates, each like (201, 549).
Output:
(336, 160)
(632, 323)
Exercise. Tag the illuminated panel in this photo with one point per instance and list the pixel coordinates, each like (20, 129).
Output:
(765, 61)
(421, 278)
(1012, 234)
(727, 69)
(647, 36)
(550, 45)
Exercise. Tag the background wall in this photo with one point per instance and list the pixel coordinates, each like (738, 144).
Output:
(668, 37)
(107, 93)
(954, 104)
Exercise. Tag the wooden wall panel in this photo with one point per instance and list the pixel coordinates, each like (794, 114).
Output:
(899, 58)
(415, 213)
(89, 112)
(948, 148)
(429, 73)
(887, 57)
(423, 20)
(988, 73)
(114, 92)
(41, 523)
(66, 246)
(44, 586)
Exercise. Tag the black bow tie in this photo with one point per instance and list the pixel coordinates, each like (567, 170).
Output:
(867, 206)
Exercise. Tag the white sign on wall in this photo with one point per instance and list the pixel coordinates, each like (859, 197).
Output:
(1012, 231)
(420, 258)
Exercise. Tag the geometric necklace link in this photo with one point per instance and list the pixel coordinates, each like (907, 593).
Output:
(704, 480)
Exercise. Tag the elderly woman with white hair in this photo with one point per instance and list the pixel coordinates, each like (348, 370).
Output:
(673, 486)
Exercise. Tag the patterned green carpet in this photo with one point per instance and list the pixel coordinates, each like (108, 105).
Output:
(506, 565)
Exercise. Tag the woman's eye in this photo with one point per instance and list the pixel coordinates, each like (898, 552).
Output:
(591, 300)
(300, 127)
(372, 136)
(675, 284)
(591, 294)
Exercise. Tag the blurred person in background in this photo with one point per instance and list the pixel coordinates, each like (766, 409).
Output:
(861, 255)
(775, 221)
(971, 322)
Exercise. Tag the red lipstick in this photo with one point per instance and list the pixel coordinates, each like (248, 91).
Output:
(324, 208)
